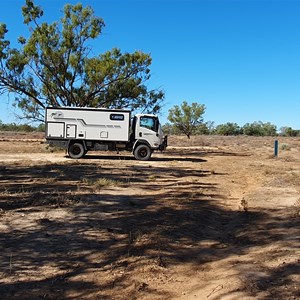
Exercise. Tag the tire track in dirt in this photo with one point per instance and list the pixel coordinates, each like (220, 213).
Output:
(266, 265)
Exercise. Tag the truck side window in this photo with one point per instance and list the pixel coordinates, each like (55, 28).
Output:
(147, 122)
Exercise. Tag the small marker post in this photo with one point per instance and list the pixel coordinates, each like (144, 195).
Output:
(275, 148)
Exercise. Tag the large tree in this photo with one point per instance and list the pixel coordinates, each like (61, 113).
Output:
(186, 118)
(54, 66)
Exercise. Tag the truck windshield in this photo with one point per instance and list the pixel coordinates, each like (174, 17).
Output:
(149, 122)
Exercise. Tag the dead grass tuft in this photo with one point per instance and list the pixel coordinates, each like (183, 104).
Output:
(296, 209)
(99, 183)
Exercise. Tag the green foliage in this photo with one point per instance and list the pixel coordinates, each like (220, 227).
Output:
(169, 129)
(288, 131)
(21, 127)
(53, 67)
(254, 129)
(203, 128)
(228, 129)
(186, 118)
(259, 129)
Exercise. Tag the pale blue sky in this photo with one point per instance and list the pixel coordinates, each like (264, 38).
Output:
(241, 58)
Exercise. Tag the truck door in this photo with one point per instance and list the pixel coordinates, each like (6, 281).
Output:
(71, 131)
(147, 129)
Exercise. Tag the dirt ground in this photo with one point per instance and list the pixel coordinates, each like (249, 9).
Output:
(211, 218)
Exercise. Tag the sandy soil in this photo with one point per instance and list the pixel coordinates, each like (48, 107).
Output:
(211, 218)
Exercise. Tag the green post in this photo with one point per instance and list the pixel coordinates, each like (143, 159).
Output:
(276, 148)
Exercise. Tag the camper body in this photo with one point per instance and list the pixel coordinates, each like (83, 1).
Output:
(80, 130)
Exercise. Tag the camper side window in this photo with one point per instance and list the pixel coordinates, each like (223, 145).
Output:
(117, 117)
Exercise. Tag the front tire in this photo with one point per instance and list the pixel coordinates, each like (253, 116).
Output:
(76, 150)
(142, 152)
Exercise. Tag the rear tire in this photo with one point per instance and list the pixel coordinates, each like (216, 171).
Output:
(76, 150)
(142, 152)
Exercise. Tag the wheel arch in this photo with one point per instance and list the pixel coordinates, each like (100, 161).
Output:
(140, 142)
(71, 142)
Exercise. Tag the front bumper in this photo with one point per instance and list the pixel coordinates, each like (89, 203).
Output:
(164, 144)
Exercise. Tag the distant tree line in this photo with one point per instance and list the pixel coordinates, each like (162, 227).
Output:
(208, 128)
(21, 127)
(257, 128)
(289, 131)
(188, 120)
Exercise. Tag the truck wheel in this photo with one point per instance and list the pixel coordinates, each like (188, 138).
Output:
(142, 152)
(76, 150)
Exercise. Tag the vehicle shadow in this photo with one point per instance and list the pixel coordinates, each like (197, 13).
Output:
(131, 158)
(169, 155)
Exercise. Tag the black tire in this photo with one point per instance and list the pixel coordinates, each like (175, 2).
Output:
(76, 150)
(142, 152)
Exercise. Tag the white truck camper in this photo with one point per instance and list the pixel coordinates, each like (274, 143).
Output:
(80, 130)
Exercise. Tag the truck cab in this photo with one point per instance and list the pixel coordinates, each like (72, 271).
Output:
(147, 136)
